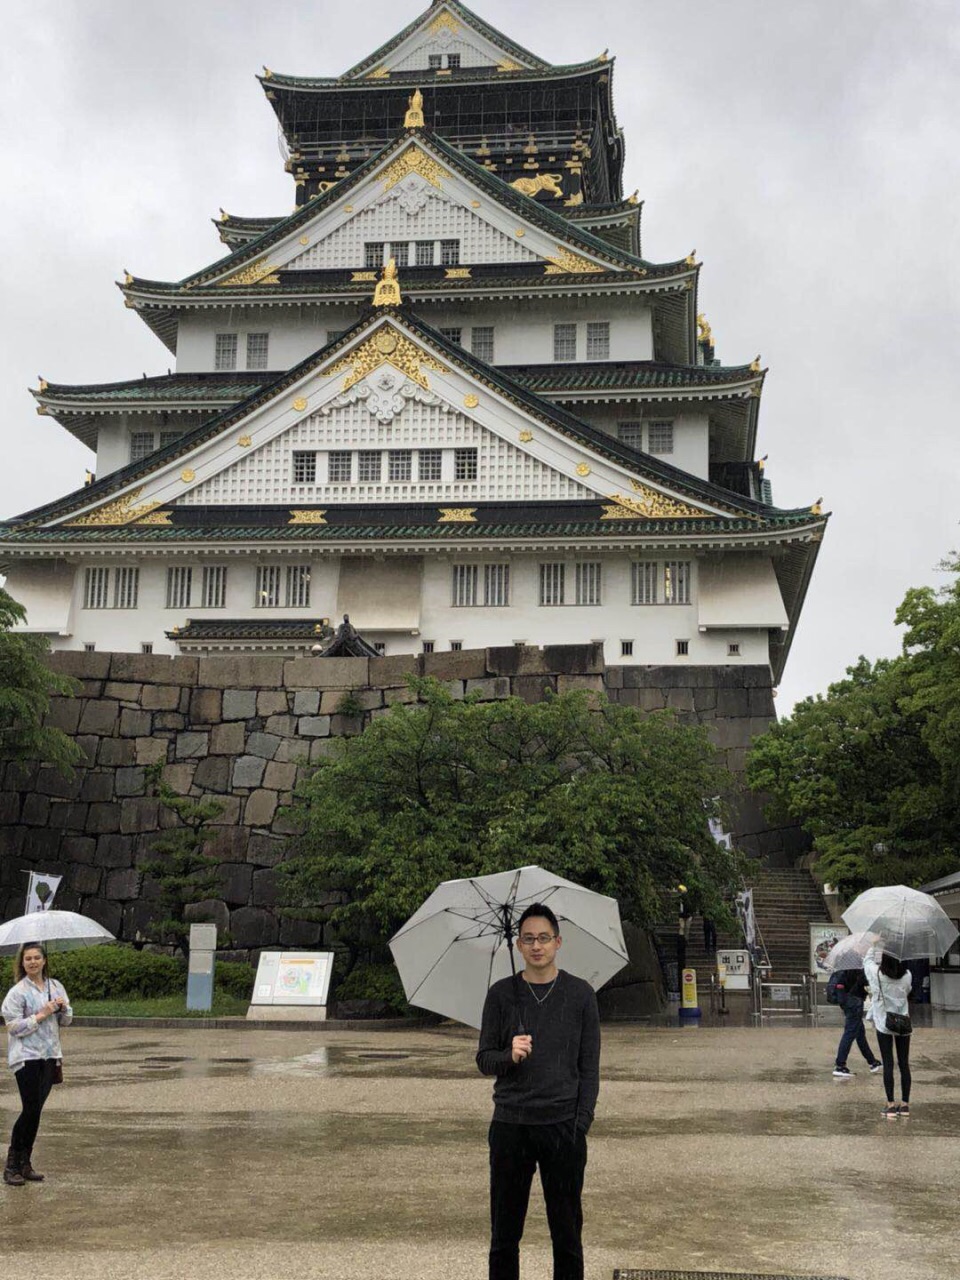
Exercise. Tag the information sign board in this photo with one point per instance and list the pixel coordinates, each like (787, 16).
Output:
(735, 968)
(823, 938)
(293, 978)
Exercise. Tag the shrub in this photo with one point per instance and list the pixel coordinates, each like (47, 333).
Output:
(375, 982)
(235, 977)
(111, 973)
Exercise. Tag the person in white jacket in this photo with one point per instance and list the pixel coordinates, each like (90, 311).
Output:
(890, 981)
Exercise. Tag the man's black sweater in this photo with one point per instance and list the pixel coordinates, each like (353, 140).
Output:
(560, 1079)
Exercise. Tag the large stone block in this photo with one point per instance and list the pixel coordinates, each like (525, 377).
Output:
(292, 750)
(115, 851)
(236, 881)
(190, 745)
(79, 665)
(63, 714)
(393, 696)
(574, 659)
(116, 752)
(141, 813)
(97, 785)
(99, 716)
(326, 673)
(314, 726)
(89, 745)
(463, 664)
(135, 724)
(733, 703)
(227, 739)
(51, 782)
(122, 886)
(679, 699)
(264, 893)
(272, 702)
(205, 706)
(280, 776)
(241, 673)
(588, 683)
(248, 771)
(35, 811)
(123, 691)
(230, 811)
(324, 749)
(254, 926)
(89, 689)
(229, 843)
(103, 818)
(239, 704)
(282, 726)
(78, 849)
(265, 850)
(163, 720)
(20, 776)
(209, 911)
(514, 660)
(307, 934)
(84, 879)
(179, 776)
(533, 688)
(395, 670)
(161, 697)
(260, 807)
(344, 726)
(761, 703)
(10, 808)
(154, 668)
(263, 745)
(131, 782)
(705, 700)
(490, 689)
(150, 750)
(213, 774)
(137, 919)
(68, 815)
(306, 702)
(43, 847)
(109, 914)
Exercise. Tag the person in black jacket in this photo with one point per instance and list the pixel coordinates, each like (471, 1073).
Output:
(851, 993)
(540, 1038)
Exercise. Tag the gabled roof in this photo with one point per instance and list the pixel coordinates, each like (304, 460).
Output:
(645, 468)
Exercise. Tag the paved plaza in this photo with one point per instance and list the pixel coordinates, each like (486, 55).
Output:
(264, 1154)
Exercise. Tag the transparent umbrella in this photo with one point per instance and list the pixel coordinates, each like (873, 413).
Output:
(57, 930)
(850, 952)
(913, 925)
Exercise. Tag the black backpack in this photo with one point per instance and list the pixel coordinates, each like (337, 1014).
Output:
(836, 986)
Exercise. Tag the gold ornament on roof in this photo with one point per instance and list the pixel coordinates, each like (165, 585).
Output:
(471, 401)
(704, 332)
(457, 273)
(387, 292)
(508, 64)
(262, 272)
(245, 441)
(650, 505)
(299, 404)
(576, 198)
(127, 277)
(414, 160)
(363, 277)
(525, 436)
(224, 216)
(414, 117)
(188, 475)
(157, 517)
(566, 262)
(381, 73)
(120, 511)
(457, 515)
(444, 20)
(552, 183)
(583, 469)
(311, 516)
(635, 198)
(405, 356)
(691, 258)
(43, 382)
(755, 364)
(267, 73)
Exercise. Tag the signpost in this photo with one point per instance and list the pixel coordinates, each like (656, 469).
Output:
(735, 968)
(292, 985)
(200, 966)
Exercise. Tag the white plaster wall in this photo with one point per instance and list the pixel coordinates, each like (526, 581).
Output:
(691, 431)
(295, 332)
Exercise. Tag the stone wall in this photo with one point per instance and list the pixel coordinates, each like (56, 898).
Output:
(244, 728)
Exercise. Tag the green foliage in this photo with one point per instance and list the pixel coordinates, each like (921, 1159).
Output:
(183, 871)
(350, 705)
(118, 972)
(375, 982)
(872, 769)
(26, 685)
(603, 795)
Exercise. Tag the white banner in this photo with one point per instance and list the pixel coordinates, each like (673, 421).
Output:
(41, 891)
(744, 905)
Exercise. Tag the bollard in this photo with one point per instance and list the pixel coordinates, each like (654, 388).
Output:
(689, 1008)
(203, 944)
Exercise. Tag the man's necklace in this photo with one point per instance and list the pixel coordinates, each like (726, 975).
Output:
(540, 999)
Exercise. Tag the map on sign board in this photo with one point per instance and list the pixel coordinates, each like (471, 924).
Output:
(293, 978)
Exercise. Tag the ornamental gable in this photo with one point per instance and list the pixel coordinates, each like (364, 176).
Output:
(444, 33)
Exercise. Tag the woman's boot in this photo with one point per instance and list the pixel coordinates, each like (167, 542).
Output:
(11, 1174)
(27, 1171)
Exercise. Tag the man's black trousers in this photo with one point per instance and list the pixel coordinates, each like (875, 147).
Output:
(516, 1150)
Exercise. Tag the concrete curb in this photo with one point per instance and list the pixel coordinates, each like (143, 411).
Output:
(241, 1024)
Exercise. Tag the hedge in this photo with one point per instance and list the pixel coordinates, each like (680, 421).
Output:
(113, 972)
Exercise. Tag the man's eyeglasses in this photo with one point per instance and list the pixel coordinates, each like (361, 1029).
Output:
(528, 939)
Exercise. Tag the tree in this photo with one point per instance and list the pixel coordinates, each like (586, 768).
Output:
(595, 792)
(184, 873)
(26, 686)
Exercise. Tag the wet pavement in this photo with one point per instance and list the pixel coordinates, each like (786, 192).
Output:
(263, 1154)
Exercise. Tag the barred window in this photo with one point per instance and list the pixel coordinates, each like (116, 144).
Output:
(660, 437)
(297, 594)
(96, 583)
(126, 588)
(644, 582)
(213, 587)
(464, 464)
(380, 646)
(340, 467)
(168, 437)
(453, 335)
(425, 253)
(258, 347)
(179, 583)
(453, 60)
(626, 648)
(630, 433)
(369, 465)
(427, 646)
(304, 468)
(90, 646)
(400, 464)
(564, 342)
(551, 583)
(588, 583)
(141, 445)
(373, 255)
(733, 649)
(496, 585)
(456, 646)
(481, 342)
(676, 582)
(434, 61)
(449, 253)
(399, 251)
(683, 648)
(225, 351)
(429, 464)
(598, 340)
(465, 577)
(268, 586)
(146, 646)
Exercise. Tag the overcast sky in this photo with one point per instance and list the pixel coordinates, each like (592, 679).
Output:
(807, 149)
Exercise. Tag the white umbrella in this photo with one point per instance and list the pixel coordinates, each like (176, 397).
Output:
(57, 930)
(461, 940)
(912, 924)
(850, 952)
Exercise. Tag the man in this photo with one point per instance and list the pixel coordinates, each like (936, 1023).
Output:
(540, 1038)
(851, 992)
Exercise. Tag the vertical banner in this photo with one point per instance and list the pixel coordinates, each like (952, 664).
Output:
(41, 891)
(748, 922)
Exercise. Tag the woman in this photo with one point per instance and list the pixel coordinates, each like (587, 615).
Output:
(890, 981)
(35, 1008)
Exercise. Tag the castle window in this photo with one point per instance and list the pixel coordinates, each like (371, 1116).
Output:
(465, 578)
(95, 586)
(598, 340)
(427, 646)
(429, 464)
(225, 351)
(683, 648)
(449, 253)
(168, 437)
(453, 335)
(588, 583)
(297, 594)
(630, 433)
(733, 650)
(644, 582)
(434, 61)
(453, 60)
(496, 585)
(304, 468)
(268, 586)
(141, 444)
(626, 648)
(456, 646)
(551, 583)
(179, 583)
(90, 647)
(481, 342)
(564, 342)
(213, 587)
(126, 588)
(373, 255)
(400, 253)
(369, 466)
(258, 347)
(146, 646)
(340, 467)
(400, 465)
(464, 464)
(676, 582)
(380, 646)
(660, 437)
(425, 253)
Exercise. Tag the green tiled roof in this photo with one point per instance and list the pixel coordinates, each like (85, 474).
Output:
(314, 84)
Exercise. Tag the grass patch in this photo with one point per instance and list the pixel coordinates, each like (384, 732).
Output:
(225, 1005)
